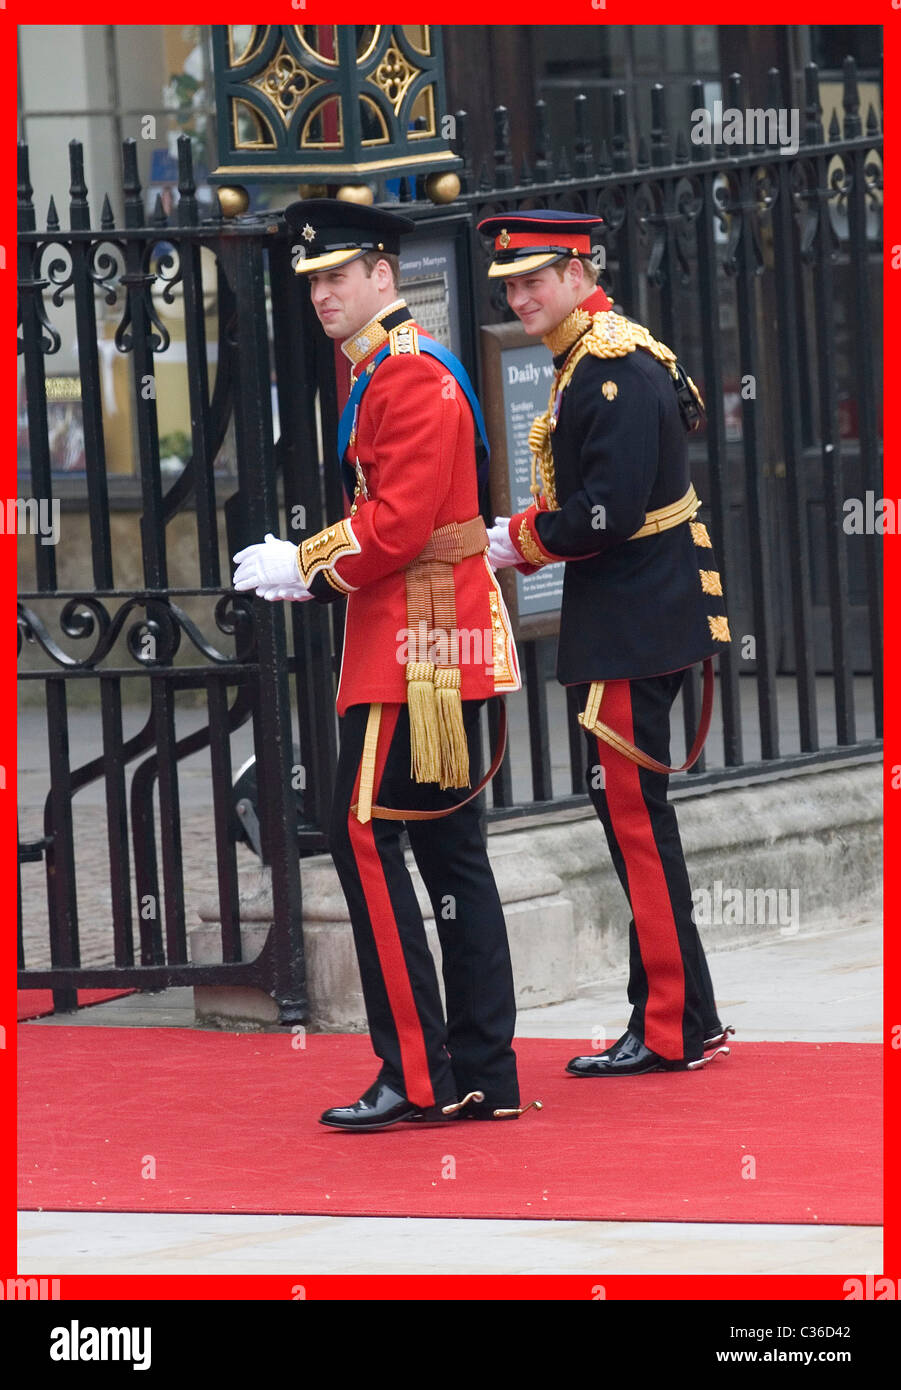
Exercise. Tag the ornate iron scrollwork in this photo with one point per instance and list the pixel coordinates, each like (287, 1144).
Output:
(83, 615)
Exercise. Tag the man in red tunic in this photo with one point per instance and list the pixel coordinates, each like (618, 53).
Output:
(427, 641)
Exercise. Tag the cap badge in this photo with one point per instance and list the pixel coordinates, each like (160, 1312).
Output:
(308, 233)
(504, 238)
(609, 390)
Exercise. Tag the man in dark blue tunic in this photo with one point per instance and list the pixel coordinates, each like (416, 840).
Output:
(642, 603)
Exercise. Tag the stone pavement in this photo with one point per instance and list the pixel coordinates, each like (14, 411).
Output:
(822, 984)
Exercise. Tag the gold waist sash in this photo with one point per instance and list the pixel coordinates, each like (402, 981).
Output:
(439, 749)
(660, 520)
(671, 515)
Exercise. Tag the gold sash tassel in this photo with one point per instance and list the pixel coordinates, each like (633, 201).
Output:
(425, 737)
(454, 749)
(439, 751)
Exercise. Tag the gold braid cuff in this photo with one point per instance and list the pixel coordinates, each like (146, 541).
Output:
(526, 542)
(338, 584)
(322, 551)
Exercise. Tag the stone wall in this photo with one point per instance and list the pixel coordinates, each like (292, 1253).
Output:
(788, 853)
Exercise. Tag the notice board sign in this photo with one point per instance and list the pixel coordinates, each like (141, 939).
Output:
(517, 372)
(428, 268)
(435, 268)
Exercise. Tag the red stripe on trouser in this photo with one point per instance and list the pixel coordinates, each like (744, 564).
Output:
(652, 909)
(417, 1082)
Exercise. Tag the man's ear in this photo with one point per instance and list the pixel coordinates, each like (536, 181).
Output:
(575, 273)
(385, 275)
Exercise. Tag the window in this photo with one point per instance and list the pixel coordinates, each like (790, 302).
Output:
(597, 61)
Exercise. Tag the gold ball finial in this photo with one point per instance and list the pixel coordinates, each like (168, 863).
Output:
(355, 193)
(233, 200)
(442, 188)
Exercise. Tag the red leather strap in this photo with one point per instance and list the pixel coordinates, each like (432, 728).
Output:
(622, 745)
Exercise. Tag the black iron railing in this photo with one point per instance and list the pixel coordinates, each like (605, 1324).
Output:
(783, 242)
(124, 635)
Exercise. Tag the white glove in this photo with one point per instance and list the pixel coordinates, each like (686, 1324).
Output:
(271, 566)
(297, 593)
(501, 550)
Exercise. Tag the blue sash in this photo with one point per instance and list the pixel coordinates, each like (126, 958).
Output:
(457, 371)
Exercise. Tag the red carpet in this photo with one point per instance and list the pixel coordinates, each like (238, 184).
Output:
(222, 1122)
(35, 1003)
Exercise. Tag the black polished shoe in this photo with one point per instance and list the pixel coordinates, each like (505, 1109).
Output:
(629, 1057)
(717, 1036)
(377, 1108)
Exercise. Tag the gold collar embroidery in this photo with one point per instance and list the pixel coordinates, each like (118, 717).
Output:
(561, 338)
(371, 336)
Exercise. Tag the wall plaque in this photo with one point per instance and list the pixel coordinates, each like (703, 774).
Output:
(517, 371)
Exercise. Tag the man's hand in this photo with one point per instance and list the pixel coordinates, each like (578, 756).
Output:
(501, 550)
(271, 569)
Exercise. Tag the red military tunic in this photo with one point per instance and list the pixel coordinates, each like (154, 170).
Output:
(414, 453)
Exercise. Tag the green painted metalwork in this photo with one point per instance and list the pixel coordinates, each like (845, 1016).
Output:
(329, 102)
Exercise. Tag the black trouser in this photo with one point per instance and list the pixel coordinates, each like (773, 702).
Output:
(422, 1058)
(669, 983)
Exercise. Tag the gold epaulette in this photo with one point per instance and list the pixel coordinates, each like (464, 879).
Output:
(607, 335)
(612, 335)
(404, 339)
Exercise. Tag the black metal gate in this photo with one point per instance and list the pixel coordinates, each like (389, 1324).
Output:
(129, 634)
